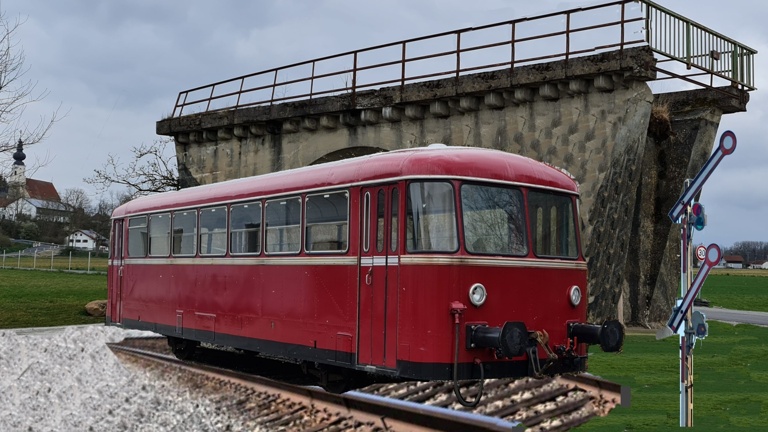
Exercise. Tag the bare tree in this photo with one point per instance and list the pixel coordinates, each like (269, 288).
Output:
(152, 169)
(17, 93)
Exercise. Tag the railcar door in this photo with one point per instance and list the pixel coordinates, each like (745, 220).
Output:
(116, 271)
(379, 271)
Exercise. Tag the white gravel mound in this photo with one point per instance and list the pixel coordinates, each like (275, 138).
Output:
(70, 381)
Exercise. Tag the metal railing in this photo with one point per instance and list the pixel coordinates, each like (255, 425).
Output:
(686, 51)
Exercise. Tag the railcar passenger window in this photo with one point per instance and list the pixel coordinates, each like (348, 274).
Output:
(431, 218)
(245, 228)
(494, 220)
(553, 226)
(159, 234)
(327, 222)
(184, 232)
(283, 228)
(137, 237)
(213, 231)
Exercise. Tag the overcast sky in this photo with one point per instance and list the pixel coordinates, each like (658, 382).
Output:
(116, 66)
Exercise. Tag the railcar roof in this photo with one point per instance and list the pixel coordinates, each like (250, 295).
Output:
(432, 161)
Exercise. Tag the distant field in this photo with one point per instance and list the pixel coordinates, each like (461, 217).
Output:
(730, 378)
(737, 289)
(31, 298)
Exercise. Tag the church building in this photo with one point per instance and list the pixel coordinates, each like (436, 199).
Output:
(35, 199)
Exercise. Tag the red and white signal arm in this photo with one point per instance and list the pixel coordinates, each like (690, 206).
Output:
(701, 252)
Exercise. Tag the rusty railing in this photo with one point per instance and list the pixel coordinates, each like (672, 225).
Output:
(685, 50)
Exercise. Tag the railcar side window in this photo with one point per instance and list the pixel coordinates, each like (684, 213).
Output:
(494, 220)
(283, 229)
(137, 236)
(184, 232)
(431, 218)
(159, 234)
(553, 227)
(245, 228)
(213, 231)
(327, 222)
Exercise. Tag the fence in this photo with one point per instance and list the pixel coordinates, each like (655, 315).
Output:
(50, 260)
(685, 50)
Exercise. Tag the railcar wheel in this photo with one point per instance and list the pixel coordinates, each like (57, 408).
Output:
(183, 349)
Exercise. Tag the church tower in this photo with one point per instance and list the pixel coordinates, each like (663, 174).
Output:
(18, 170)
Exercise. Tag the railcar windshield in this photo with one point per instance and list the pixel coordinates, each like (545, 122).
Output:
(494, 220)
(553, 225)
(431, 218)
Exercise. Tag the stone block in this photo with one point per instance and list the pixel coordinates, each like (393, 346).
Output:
(291, 126)
(240, 131)
(182, 138)
(196, 136)
(309, 123)
(578, 86)
(258, 129)
(523, 95)
(414, 112)
(224, 134)
(210, 135)
(329, 121)
(494, 100)
(549, 91)
(604, 83)
(392, 114)
(469, 103)
(370, 117)
(439, 108)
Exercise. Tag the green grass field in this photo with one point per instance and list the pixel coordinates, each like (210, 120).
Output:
(31, 298)
(737, 289)
(730, 381)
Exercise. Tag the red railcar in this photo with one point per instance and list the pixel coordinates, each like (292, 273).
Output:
(431, 264)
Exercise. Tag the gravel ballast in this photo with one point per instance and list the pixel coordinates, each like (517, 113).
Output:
(69, 380)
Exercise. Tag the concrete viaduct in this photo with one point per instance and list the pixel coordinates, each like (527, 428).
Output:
(594, 116)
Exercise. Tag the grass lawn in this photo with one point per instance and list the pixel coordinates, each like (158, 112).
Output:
(730, 381)
(40, 298)
(737, 289)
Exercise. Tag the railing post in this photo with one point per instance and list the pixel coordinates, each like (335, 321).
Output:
(89, 262)
(34, 260)
(688, 45)
(70, 261)
(274, 85)
(354, 80)
(402, 71)
(458, 56)
(18, 262)
(567, 36)
(51, 259)
(312, 81)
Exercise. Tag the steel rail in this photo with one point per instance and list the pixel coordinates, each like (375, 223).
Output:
(377, 411)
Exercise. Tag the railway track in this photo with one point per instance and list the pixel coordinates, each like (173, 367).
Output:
(549, 404)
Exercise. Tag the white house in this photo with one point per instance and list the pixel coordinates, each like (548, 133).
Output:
(85, 239)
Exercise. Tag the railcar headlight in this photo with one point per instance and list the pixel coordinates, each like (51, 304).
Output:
(477, 294)
(574, 294)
